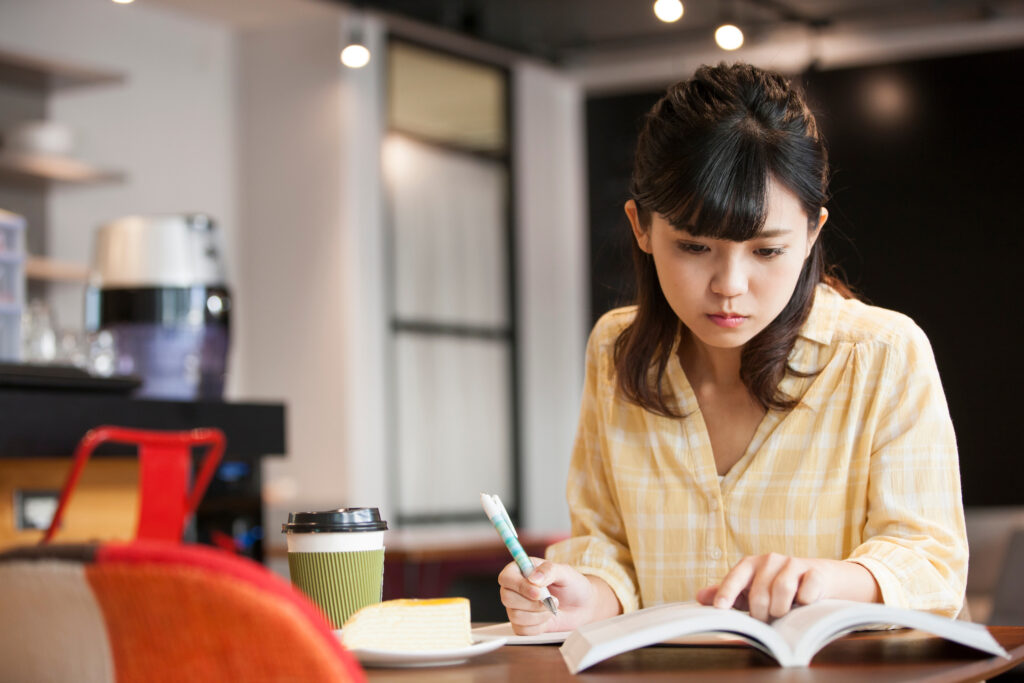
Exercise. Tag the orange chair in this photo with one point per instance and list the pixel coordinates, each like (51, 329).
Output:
(157, 611)
(165, 462)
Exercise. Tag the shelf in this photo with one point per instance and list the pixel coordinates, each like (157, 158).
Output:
(36, 170)
(50, 422)
(52, 270)
(28, 173)
(44, 75)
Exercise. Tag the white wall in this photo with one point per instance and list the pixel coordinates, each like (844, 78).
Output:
(552, 275)
(313, 319)
(169, 126)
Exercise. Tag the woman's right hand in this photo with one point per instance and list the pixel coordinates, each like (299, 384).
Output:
(580, 599)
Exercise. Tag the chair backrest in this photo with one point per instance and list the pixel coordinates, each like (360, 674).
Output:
(165, 462)
(1008, 597)
(157, 611)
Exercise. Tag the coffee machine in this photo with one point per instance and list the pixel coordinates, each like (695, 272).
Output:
(158, 287)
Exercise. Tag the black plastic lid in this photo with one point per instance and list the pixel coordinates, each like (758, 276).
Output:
(333, 521)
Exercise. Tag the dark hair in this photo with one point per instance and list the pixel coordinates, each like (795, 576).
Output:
(704, 159)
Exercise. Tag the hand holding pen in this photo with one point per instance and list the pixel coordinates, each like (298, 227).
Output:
(496, 512)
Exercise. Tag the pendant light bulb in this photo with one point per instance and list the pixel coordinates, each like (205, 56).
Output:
(668, 10)
(729, 37)
(355, 56)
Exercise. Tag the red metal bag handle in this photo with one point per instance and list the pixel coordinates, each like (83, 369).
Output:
(164, 463)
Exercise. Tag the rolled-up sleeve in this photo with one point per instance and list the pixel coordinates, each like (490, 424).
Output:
(915, 538)
(599, 544)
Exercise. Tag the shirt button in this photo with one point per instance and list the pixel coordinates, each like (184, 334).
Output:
(716, 553)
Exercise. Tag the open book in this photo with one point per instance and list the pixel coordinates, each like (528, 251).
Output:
(792, 640)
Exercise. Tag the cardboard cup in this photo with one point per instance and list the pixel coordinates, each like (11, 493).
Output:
(336, 558)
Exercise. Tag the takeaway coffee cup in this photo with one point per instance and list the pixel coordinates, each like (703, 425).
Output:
(336, 557)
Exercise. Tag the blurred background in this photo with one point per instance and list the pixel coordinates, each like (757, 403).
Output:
(418, 239)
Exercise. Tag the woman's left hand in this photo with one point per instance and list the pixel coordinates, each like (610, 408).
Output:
(770, 585)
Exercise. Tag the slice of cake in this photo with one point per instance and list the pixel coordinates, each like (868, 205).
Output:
(410, 625)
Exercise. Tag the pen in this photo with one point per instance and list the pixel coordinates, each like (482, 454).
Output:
(496, 512)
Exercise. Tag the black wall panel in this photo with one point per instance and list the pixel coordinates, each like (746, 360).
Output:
(926, 218)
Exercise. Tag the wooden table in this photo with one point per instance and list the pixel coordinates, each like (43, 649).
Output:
(874, 657)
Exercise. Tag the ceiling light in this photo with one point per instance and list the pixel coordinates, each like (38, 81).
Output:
(729, 37)
(355, 56)
(668, 10)
(124, 2)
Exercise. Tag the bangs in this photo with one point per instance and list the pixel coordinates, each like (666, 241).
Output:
(718, 189)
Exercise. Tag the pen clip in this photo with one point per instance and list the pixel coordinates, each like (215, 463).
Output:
(504, 513)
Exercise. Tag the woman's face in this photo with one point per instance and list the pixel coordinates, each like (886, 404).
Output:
(726, 292)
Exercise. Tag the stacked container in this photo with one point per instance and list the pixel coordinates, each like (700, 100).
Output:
(12, 284)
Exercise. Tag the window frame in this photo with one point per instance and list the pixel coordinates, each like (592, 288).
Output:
(508, 333)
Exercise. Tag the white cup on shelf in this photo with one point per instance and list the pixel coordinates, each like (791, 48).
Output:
(39, 137)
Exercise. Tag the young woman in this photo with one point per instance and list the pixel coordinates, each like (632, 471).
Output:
(750, 436)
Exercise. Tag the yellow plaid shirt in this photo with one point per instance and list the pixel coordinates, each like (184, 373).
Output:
(864, 469)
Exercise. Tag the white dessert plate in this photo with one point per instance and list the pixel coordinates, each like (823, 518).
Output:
(409, 658)
(505, 631)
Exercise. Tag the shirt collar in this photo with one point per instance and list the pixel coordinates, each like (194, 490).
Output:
(809, 351)
(817, 330)
(821, 323)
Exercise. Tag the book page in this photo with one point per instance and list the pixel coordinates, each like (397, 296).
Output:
(504, 630)
(600, 640)
(808, 629)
